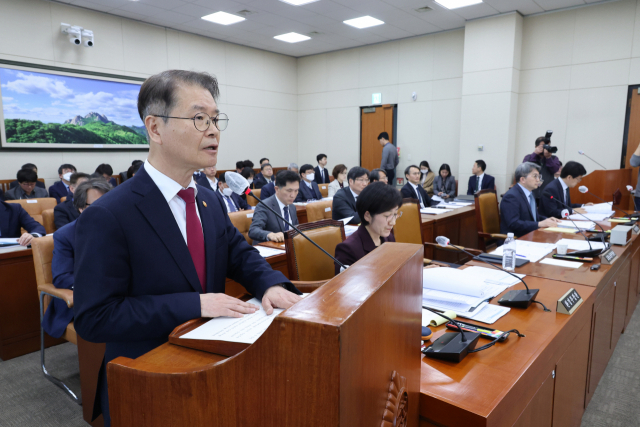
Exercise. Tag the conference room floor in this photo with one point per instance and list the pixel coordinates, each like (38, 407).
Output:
(28, 399)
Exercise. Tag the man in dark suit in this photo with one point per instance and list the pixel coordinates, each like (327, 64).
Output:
(27, 166)
(321, 173)
(66, 212)
(480, 180)
(58, 315)
(107, 172)
(265, 226)
(412, 189)
(171, 243)
(264, 177)
(1, 195)
(570, 176)
(518, 211)
(268, 190)
(259, 175)
(27, 188)
(61, 188)
(308, 187)
(344, 201)
(12, 218)
(208, 178)
(231, 200)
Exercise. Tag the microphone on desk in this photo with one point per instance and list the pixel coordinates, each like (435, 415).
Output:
(452, 347)
(515, 298)
(239, 185)
(582, 153)
(585, 190)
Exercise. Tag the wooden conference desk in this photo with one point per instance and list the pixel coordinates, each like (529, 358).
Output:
(549, 377)
(458, 225)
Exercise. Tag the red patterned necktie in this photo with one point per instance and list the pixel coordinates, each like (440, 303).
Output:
(195, 236)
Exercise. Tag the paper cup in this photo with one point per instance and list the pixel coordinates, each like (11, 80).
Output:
(562, 249)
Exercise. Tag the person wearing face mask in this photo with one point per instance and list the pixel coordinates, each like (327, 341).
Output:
(426, 177)
(265, 226)
(340, 176)
(308, 187)
(232, 201)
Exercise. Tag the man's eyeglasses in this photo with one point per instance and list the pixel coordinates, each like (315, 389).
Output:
(537, 177)
(363, 180)
(202, 121)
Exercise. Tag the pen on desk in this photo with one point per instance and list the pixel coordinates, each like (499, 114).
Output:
(521, 256)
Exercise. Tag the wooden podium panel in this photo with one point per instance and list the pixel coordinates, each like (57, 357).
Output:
(326, 361)
(603, 184)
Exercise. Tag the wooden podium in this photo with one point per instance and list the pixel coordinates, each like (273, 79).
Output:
(603, 184)
(347, 355)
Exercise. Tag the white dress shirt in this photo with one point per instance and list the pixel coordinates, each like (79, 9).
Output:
(321, 172)
(355, 196)
(228, 200)
(308, 184)
(480, 182)
(564, 190)
(213, 184)
(415, 188)
(169, 189)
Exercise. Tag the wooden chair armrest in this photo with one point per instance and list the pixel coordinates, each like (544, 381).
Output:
(64, 294)
(308, 287)
(498, 236)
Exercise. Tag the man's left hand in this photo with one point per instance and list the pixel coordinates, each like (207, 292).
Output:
(588, 204)
(25, 239)
(278, 297)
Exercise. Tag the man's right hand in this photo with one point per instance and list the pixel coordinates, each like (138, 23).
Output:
(276, 237)
(216, 305)
(549, 222)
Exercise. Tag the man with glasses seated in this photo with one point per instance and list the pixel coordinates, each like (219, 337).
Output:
(344, 201)
(518, 208)
(26, 189)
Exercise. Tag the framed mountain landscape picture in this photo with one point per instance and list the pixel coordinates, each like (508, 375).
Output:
(52, 109)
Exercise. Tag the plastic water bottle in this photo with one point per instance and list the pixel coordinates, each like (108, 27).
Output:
(509, 253)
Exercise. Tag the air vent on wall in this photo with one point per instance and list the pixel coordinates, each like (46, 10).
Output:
(246, 12)
(313, 33)
(424, 9)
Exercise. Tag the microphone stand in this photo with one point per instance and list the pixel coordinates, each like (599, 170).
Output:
(582, 152)
(451, 347)
(628, 215)
(250, 193)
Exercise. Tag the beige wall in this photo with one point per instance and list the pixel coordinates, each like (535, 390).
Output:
(258, 88)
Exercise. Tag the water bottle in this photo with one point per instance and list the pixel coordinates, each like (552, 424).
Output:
(509, 253)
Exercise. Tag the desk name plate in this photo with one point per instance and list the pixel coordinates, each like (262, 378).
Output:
(636, 229)
(569, 302)
(608, 257)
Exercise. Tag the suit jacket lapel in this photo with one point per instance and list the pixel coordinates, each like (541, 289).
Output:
(156, 210)
(4, 221)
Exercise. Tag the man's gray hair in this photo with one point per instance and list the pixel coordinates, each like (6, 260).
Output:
(292, 166)
(80, 195)
(524, 169)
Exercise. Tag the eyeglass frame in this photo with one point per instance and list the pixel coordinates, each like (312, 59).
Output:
(211, 119)
(393, 216)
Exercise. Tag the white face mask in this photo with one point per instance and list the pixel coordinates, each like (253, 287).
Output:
(310, 176)
(227, 192)
(250, 181)
(424, 170)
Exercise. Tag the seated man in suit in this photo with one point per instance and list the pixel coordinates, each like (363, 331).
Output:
(412, 189)
(378, 175)
(259, 174)
(35, 169)
(321, 172)
(232, 201)
(308, 187)
(269, 189)
(208, 178)
(26, 188)
(107, 172)
(58, 315)
(1, 195)
(265, 226)
(61, 188)
(13, 217)
(518, 211)
(171, 243)
(570, 176)
(479, 180)
(66, 212)
(377, 206)
(344, 201)
(264, 177)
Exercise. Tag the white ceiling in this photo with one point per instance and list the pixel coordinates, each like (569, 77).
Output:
(270, 18)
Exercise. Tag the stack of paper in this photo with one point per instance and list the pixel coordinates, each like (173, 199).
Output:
(532, 251)
(591, 216)
(8, 241)
(434, 211)
(487, 313)
(267, 252)
(582, 225)
(579, 245)
(603, 208)
(453, 205)
(350, 229)
(437, 199)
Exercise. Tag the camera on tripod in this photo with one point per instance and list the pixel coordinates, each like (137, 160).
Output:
(547, 145)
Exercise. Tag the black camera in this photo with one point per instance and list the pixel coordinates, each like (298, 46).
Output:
(551, 149)
(548, 146)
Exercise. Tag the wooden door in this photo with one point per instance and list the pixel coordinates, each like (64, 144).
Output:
(373, 121)
(601, 338)
(539, 411)
(632, 134)
(621, 294)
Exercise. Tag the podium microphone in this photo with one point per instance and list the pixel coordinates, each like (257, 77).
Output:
(585, 190)
(516, 298)
(451, 347)
(239, 185)
(582, 153)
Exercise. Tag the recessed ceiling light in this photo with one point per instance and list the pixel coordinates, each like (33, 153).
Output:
(454, 4)
(363, 22)
(292, 37)
(223, 18)
(298, 2)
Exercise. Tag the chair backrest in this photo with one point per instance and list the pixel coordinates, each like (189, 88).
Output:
(408, 228)
(251, 201)
(324, 189)
(48, 221)
(304, 260)
(5, 183)
(487, 213)
(63, 199)
(34, 207)
(123, 177)
(42, 249)
(242, 221)
(317, 211)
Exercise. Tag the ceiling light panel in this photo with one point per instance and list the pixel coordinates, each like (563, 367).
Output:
(298, 2)
(292, 37)
(223, 18)
(363, 22)
(455, 4)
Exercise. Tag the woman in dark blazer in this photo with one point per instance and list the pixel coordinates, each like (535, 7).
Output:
(377, 207)
(444, 185)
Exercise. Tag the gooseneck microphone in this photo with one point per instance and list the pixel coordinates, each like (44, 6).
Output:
(585, 190)
(451, 347)
(582, 153)
(515, 298)
(239, 185)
